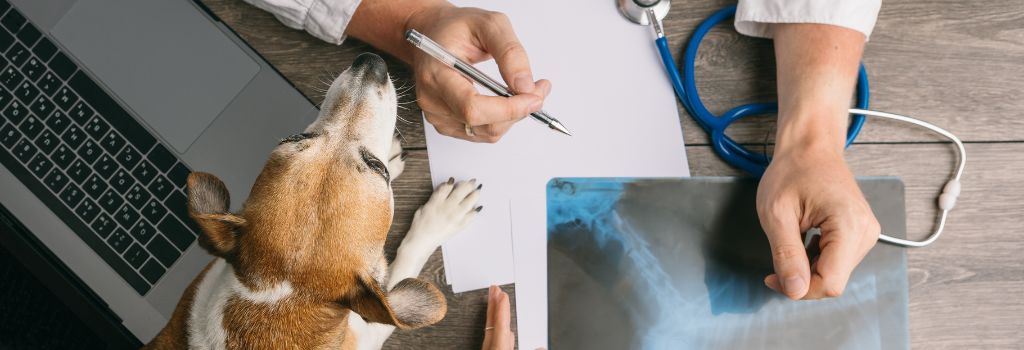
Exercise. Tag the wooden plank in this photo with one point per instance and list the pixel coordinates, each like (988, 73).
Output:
(965, 289)
(955, 64)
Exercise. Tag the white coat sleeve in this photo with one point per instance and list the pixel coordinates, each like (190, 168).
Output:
(755, 17)
(324, 19)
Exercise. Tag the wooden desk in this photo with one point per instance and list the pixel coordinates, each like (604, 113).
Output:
(957, 64)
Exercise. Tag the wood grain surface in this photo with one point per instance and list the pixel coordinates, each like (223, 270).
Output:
(956, 64)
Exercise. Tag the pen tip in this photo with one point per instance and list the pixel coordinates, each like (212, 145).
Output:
(560, 128)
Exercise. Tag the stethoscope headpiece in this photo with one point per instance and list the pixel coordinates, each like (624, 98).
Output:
(635, 10)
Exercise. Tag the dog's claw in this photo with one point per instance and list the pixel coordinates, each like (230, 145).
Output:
(449, 209)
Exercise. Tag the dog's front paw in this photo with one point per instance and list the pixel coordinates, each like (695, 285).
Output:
(449, 209)
(396, 160)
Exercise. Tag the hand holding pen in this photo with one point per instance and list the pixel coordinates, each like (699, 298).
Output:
(448, 99)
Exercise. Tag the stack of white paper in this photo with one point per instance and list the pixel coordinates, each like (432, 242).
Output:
(610, 90)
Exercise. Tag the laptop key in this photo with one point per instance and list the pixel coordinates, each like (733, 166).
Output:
(49, 84)
(137, 196)
(42, 107)
(44, 49)
(47, 141)
(161, 187)
(163, 250)
(120, 240)
(112, 142)
(90, 151)
(13, 21)
(63, 66)
(125, 124)
(128, 157)
(126, 216)
(65, 98)
(18, 54)
(28, 35)
(176, 232)
(103, 225)
(58, 121)
(74, 136)
(162, 158)
(144, 172)
(122, 181)
(40, 165)
(9, 135)
(33, 69)
(179, 175)
(94, 186)
(24, 150)
(178, 205)
(5, 97)
(105, 166)
(15, 112)
(79, 171)
(6, 39)
(142, 231)
(87, 210)
(26, 91)
(80, 113)
(63, 156)
(31, 127)
(154, 211)
(136, 255)
(110, 201)
(56, 180)
(10, 78)
(152, 271)
(96, 127)
(71, 195)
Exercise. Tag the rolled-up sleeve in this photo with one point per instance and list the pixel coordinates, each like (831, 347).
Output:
(324, 19)
(755, 17)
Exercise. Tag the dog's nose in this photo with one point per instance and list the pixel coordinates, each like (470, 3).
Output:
(372, 66)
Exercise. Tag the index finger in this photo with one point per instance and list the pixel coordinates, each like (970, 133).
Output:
(500, 40)
(475, 109)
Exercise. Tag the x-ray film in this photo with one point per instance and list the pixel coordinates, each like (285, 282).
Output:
(680, 264)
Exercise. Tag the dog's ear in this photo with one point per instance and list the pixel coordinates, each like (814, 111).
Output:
(208, 202)
(413, 303)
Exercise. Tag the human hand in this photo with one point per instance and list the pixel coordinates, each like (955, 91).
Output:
(498, 331)
(450, 101)
(802, 189)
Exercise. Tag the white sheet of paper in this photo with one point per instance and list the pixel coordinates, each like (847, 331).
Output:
(610, 90)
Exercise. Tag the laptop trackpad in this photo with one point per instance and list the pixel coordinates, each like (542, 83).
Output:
(163, 58)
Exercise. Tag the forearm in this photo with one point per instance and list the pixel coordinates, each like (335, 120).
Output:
(409, 261)
(382, 23)
(817, 73)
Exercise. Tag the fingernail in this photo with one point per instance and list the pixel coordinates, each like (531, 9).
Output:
(405, 154)
(451, 180)
(523, 84)
(478, 187)
(793, 285)
(478, 209)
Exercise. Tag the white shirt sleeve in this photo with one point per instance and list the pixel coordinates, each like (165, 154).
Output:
(324, 19)
(755, 17)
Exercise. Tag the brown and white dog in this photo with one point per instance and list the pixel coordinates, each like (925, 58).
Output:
(302, 265)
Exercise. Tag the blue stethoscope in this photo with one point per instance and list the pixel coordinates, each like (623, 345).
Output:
(651, 12)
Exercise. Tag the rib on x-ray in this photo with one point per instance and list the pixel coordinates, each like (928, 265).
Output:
(680, 264)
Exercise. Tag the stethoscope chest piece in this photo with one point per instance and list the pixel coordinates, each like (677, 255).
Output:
(635, 10)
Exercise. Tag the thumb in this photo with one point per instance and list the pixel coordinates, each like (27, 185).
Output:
(792, 270)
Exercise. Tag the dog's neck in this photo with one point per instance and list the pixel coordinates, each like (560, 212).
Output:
(225, 313)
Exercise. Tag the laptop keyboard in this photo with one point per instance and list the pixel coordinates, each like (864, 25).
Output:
(83, 155)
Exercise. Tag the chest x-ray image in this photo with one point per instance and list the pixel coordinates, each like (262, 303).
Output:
(680, 264)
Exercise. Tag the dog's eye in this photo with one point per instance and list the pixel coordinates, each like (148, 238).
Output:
(375, 164)
(297, 137)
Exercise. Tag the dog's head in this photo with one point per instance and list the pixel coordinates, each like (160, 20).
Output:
(320, 210)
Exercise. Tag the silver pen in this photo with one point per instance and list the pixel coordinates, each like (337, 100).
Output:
(435, 50)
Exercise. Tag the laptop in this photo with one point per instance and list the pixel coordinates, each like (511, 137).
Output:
(680, 264)
(106, 106)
